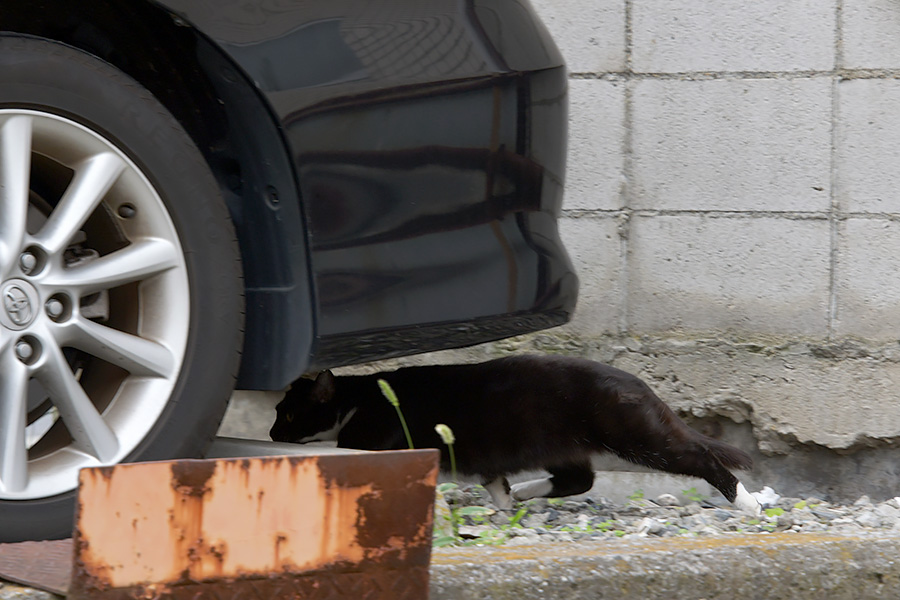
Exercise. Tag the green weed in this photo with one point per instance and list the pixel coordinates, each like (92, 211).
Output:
(693, 495)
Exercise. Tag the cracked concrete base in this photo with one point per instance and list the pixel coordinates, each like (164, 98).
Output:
(795, 566)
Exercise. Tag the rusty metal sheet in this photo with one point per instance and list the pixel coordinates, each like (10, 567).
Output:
(43, 565)
(323, 527)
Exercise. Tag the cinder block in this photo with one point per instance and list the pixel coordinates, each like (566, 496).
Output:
(867, 279)
(870, 32)
(787, 393)
(732, 145)
(594, 177)
(764, 275)
(590, 33)
(740, 35)
(594, 246)
(868, 146)
(250, 414)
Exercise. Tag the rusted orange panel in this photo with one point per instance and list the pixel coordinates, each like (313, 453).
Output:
(271, 527)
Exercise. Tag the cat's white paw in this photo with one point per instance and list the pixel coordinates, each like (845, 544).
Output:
(746, 502)
(539, 488)
(499, 494)
(766, 496)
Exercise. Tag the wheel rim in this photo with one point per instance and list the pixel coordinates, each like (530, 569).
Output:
(94, 304)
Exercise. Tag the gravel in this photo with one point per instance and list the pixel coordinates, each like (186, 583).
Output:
(559, 520)
(12, 591)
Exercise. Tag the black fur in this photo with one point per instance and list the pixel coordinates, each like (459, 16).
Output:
(513, 414)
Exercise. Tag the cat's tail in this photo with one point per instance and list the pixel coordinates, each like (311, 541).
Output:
(728, 455)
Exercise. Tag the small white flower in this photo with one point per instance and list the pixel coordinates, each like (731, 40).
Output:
(446, 433)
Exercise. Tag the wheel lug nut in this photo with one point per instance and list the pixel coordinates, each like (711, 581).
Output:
(54, 307)
(24, 350)
(27, 262)
(127, 211)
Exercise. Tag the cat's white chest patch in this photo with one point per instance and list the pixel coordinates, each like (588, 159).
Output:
(329, 435)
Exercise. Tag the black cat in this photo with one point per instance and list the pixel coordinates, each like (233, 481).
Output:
(510, 415)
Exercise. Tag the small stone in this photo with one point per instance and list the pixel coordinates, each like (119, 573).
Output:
(788, 503)
(583, 520)
(646, 525)
(443, 521)
(784, 522)
(518, 537)
(667, 500)
(534, 520)
(500, 518)
(863, 501)
(887, 512)
(473, 531)
(825, 514)
(696, 521)
(640, 503)
(669, 531)
(868, 518)
(538, 504)
(456, 497)
(519, 541)
(690, 509)
(723, 515)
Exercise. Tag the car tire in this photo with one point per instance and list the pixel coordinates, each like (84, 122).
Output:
(121, 307)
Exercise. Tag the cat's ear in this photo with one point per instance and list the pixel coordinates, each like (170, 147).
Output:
(323, 388)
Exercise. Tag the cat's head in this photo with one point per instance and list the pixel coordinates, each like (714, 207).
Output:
(308, 412)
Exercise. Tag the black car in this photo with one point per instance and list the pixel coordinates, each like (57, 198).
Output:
(198, 195)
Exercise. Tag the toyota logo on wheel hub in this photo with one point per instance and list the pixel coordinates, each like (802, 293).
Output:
(17, 305)
(19, 301)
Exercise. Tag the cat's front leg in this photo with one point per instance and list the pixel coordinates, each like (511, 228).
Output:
(538, 488)
(566, 480)
(498, 488)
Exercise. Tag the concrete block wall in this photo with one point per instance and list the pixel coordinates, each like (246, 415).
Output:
(733, 209)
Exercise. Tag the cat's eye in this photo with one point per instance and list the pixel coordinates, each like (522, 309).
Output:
(289, 417)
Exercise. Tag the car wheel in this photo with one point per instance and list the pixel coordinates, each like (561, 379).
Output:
(120, 282)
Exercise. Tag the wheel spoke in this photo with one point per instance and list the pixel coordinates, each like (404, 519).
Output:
(135, 354)
(133, 263)
(92, 180)
(84, 422)
(13, 403)
(15, 168)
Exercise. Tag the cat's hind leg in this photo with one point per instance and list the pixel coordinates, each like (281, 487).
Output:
(498, 488)
(567, 480)
(745, 501)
